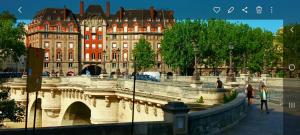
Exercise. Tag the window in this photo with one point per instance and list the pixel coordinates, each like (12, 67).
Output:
(125, 56)
(87, 46)
(125, 45)
(58, 28)
(71, 45)
(93, 37)
(46, 27)
(114, 65)
(158, 45)
(71, 28)
(99, 45)
(70, 56)
(99, 37)
(70, 65)
(125, 37)
(47, 56)
(58, 56)
(87, 37)
(99, 28)
(46, 44)
(114, 45)
(125, 29)
(93, 56)
(93, 46)
(70, 36)
(136, 28)
(158, 29)
(114, 29)
(87, 29)
(93, 29)
(46, 35)
(134, 19)
(148, 29)
(46, 64)
(87, 56)
(58, 45)
(114, 36)
(57, 64)
(114, 55)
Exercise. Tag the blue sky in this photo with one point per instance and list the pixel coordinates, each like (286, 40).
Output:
(270, 25)
(285, 11)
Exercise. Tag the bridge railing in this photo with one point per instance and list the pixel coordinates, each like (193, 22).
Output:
(216, 120)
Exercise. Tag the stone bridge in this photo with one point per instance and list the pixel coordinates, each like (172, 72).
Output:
(83, 100)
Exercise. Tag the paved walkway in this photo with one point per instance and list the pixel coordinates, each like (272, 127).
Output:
(259, 123)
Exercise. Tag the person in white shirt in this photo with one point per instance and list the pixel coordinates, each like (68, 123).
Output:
(263, 98)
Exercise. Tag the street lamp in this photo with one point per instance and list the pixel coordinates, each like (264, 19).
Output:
(104, 60)
(230, 77)
(60, 66)
(195, 74)
(118, 68)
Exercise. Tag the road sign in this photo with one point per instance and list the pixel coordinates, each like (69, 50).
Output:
(35, 59)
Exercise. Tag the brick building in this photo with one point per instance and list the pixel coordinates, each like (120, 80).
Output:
(57, 31)
(95, 40)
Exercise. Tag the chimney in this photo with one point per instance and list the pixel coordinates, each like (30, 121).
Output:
(152, 12)
(65, 12)
(121, 13)
(81, 8)
(107, 8)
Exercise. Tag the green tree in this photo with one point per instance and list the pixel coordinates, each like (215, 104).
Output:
(8, 108)
(144, 55)
(11, 37)
(179, 42)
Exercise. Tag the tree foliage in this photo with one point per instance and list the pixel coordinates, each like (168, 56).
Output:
(8, 108)
(144, 55)
(252, 46)
(11, 36)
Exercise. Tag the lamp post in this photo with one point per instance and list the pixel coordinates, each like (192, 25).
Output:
(195, 74)
(118, 66)
(104, 60)
(230, 77)
(60, 66)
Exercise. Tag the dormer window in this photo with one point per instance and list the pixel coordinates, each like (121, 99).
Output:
(148, 29)
(126, 19)
(71, 28)
(58, 28)
(134, 19)
(125, 29)
(136, 28)
(114, 29)
(159, 29)
(46, 27)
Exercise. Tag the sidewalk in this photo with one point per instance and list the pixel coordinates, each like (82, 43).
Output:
(259, 123)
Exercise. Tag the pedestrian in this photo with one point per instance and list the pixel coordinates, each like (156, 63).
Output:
(219, 83)
(263, 98)
(250, 93)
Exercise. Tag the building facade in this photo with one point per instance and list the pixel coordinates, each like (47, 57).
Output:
(57, 31)
(94, 41)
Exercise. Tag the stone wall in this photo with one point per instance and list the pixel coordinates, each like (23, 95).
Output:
(148, 128)
(217, 119)
(181, 90)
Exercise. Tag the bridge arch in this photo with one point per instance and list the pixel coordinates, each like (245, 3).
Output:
(77, 113)
(93, 69)
(39, 120)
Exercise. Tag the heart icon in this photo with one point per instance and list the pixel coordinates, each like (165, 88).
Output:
(217, 9)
